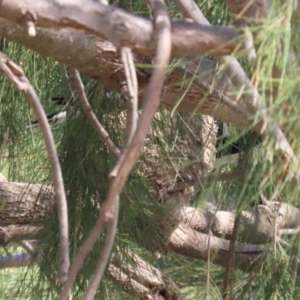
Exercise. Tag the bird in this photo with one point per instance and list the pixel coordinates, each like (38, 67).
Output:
(53, 119)
(58, 117)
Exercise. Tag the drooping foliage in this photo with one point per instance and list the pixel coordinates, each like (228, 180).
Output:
(86, 163)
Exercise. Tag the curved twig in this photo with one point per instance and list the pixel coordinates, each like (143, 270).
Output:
(105, 254)
(151, 103)
(131, 93)
(104, 136)
(16, 75)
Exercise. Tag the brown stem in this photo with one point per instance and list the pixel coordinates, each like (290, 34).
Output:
(105, 254)
(151, 103)
(103, 134)
(16, 75)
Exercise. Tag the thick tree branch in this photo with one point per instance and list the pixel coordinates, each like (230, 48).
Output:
(194, 227)
(105, 67)
(122, 28)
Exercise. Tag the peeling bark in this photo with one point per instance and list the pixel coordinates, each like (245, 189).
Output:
(99, 60)
(122, 28)
(25, 210)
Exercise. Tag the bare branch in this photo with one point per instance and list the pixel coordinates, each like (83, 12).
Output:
(151, 103)
(103, 134)
(121, 28)
(84, 250)
(107, 68)
(131, 92)
(16, 75)
(104, 257)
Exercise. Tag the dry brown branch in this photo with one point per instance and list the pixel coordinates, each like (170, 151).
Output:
(201, 73)
(130, 89)
(104, 257)
(132, 92)
(103, 134)
(101, 223)
(84, 250)
(121, 28)
(194, 219)
(16, 75)
(150, 104)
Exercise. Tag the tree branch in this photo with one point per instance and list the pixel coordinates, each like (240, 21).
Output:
(122, 28)
(16, 75)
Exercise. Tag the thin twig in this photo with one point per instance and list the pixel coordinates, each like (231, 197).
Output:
(16, 75)
(87, 246)
(103, 134)
(151, 102)
(130, 90)
(100, 225)
(84, 250)
(132, 118)
(105, 254)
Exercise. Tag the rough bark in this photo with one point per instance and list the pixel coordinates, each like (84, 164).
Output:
(184, 239)
(24, 204)
(100, 60)
(120, 27)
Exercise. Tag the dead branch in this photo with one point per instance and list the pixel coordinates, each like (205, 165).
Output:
(195, 97)
(103, 134)
(121, 28)
(131, 93)
(150, 104)
(104, 257)
(101, 223)
(197, 221)
(17, 77)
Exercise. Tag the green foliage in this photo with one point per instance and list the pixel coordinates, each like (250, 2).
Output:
(86, 163)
